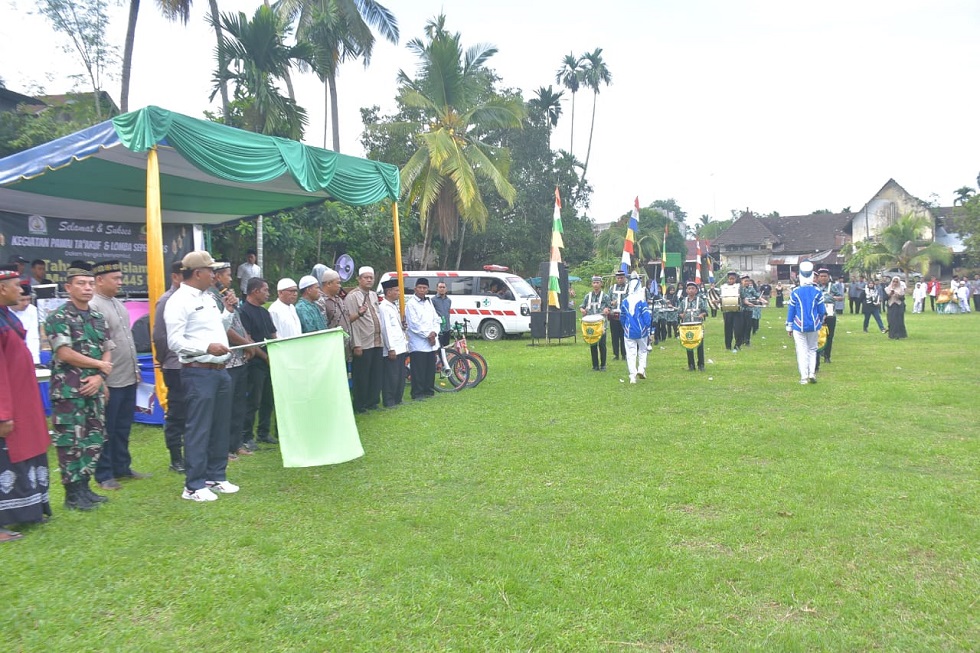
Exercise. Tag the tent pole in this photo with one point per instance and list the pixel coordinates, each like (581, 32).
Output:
(398, 258)
(154, 253)
(260, 246)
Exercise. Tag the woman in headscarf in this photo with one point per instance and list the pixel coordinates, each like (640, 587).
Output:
(896, 309)
(635, 318)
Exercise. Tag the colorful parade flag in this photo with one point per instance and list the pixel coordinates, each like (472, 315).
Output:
(556, 244)
(630, 240)
(711, 265)
(306, 439)
(697, 270)
(663, 262)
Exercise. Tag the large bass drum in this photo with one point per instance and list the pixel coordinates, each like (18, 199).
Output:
(691, 334)
(593, 326)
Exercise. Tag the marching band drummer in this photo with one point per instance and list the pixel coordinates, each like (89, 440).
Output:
(597, 303)
(616, 295)
(693, 308)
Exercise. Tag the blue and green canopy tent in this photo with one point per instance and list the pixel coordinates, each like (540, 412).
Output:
(158, 166)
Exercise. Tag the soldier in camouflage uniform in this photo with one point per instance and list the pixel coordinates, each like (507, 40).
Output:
(80, 361)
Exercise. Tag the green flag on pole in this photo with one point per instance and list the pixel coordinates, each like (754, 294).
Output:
(307, 372)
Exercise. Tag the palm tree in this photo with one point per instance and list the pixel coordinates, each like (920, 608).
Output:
(172, 10)
(900, 246)
(338, 31)
(963, 193)
(595, 74)
(570, 76)
(548, 103)
(257, 57)
(453, 95)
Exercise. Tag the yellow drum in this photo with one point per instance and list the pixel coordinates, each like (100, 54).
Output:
(691, 334)
(593, 326)
(822, 337)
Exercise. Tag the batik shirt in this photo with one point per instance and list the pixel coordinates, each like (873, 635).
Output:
(86, 333)
(749, 293)
(310, 318)
(692, 310)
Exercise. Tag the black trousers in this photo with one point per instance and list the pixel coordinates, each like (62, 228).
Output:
(932, 303)
(260, 401)
(176, 418)
(115, 461)
(855, 304)
(831, 322)
(598, 351)
(423, 373)
(618, 339)
(239, 405)
(743, 328)
(731, 321)
(690, 357)
(366, 372)
(208, 417)
(393, 381)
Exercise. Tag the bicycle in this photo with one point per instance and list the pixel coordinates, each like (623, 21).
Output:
(452, 371)
(460, 345)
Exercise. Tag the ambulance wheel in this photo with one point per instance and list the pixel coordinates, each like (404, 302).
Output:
(491, 330)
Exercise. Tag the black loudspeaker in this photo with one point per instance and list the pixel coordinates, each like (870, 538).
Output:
(544, 270)
(561, 324)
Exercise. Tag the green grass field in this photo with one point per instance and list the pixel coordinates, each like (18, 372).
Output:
(558, 509)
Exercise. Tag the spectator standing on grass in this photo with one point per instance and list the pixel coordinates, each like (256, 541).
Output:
(919, 297)
(963, 296)
(115, 462)
(395, 346)
(197, 332)
(259, 327)
(248, 270)
(932, 289)
(975, 291)
(331, 305)
(26, 312)
(24, 435)
(39, 271)
(896, 309)
(871, 305)
(854, 290)
(283, 310)
(175, 418)
(310, 317)
(422, 324)
(237, 361)
(81, 360)
(443, 304)
(366, 367)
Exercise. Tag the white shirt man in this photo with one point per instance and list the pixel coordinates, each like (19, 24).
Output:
(26, 312)
(197, 330)
(394, 345)
(248, 270)
(423, 328)
(283, 310)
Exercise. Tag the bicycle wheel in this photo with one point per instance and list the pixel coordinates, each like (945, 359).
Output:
(452, 377)
(481, 364)
(473, 368)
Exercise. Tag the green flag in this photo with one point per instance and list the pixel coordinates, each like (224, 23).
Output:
(308, 372)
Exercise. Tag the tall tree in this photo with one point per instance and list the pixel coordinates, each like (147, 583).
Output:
(457, 106)
(963, 194)
(549, 104)
(570, 76)
(256, 59)
(595, 74)
(172, 10)
(84, 23)
(338, 31)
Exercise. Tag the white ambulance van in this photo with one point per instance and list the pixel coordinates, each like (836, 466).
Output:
(496, 302)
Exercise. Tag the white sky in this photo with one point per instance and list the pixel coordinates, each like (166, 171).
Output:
(719, 104)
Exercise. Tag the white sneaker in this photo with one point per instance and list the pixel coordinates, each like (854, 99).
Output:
(804, 381)
(204, 494)
(633, 380)
(223, 487)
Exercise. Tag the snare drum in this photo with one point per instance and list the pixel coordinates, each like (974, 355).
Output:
(691, 334)
(593, 326)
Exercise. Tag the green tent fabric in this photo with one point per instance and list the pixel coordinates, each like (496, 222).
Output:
(209, 173)
(247, 157)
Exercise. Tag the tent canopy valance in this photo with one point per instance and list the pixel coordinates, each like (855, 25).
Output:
(209, 173)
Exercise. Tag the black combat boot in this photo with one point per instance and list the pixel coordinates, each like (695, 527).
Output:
(92, 496)
(75, 497)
